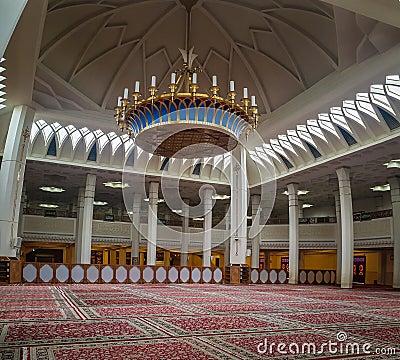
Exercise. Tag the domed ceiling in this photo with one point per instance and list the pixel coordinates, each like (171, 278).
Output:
(276, 48)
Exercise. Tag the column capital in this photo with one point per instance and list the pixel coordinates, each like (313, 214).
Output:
(343, 173)
(293, 188)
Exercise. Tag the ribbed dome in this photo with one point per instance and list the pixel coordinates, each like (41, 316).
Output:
(276, 48)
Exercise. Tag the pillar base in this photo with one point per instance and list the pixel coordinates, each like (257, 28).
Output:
(346, 286)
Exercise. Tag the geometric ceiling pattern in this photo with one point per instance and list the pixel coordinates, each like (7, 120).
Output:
(49, 131)
(357, 122)
(276, 48)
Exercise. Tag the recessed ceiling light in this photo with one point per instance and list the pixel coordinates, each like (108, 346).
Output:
(159, 200)
(52, 189)
(116, 184)
(49, 206)
(198, 219)
(220, 197)
(305, 206)
(385, 187)
(100, 203)
(393, 164)
(299, 192)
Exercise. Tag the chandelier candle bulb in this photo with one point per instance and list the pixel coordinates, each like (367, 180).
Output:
(194, 78)
(153, 81)
(126, 93)
(214, 80)
(253, 100)
(173, 78)
(119, 100)
(137, 86)
(245, 93)
(232, 86)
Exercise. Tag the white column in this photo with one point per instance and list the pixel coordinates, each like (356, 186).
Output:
(152, 224)
(21, 222)
(208, 205)
(338, 239)
(255, 240)
(239, 193)
(135, 227)
(78, 225)
(185, 233)
(87, 220)
(227, 243)
(12, 177)
(395, 193)
(346, 210)
(293, 233)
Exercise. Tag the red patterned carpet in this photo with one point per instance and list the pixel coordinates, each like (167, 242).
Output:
(151, 322)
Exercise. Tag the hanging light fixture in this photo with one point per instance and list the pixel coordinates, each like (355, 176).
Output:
(186, 122)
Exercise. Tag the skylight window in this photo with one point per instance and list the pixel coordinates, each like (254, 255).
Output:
(197, 169)
(347, 136)
(52, 149)
(313, 151)
(390, 121)
(288, 164)
(165, 165)
(93, 153)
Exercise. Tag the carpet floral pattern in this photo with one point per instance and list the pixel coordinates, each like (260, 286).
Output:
(196, 322)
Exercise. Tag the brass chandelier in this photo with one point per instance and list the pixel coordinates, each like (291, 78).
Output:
(165, 124)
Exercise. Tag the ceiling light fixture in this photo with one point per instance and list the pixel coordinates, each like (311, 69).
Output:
(299, 192)
(100, 203)
(393, 164)
(52, 189)
(192, 117)
(385, 187)
(159, 200)
(116, 184)
(198, 219)
(306, 206)
(220, 197)
(177, 211)
(49, 206)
